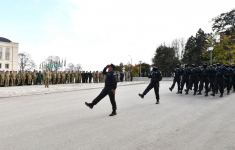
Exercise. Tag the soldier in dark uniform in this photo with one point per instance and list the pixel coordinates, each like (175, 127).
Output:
(233, 78)
(39, 78)
(155, 76)
(220, 78)
(90, 76)
(109, 89)
(86, 77)
(185, 78)
(204, 79)
(83, 76)
(121, 76)
(212, 79)
(193, 82)
(177, 77)
(228, 78)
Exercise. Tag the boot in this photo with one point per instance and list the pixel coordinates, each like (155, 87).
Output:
(157, 102)
(113, 113)
(221, 95)
(199, 93)
(141, 95)
(90, 105)
(170, 89)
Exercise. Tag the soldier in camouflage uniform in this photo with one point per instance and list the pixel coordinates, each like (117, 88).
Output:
(68, 77)
(7, 78)
(72, 77)
(63, 76)
(29, 77)
(14, 78)
(11, 79)
(58, 77)
(18, 78)
(23, 77)
(34, 77)
(2, 78)
(47, 78)
(54, 75)
(94, 77)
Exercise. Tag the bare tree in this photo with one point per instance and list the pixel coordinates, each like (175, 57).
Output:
(26, 62)
(178, 45)
(52, 63)
(72, 67)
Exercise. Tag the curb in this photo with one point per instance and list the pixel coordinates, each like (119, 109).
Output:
(69, 90)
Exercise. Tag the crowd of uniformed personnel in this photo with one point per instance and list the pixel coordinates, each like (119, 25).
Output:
(216, 79)
(21, 78)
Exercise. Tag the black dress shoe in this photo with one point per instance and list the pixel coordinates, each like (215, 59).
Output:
(90, 105)
(157, 102)
(141, 95)
(170, 89)
(113, 113)
(199, 93)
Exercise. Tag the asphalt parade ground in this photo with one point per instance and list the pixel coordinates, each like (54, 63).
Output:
(57, 119)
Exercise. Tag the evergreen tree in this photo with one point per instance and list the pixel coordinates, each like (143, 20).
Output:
(165, 59)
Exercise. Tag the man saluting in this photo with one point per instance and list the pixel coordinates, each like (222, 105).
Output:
(109, 89)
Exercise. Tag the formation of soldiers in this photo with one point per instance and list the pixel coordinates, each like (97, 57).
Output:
(21, 78)
(216, 79)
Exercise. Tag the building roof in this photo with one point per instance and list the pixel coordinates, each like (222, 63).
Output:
(2, 39)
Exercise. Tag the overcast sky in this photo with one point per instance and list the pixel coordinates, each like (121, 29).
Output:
(94, 33)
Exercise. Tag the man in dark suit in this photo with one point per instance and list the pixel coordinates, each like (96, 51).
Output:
(155, 76)
(109, 89)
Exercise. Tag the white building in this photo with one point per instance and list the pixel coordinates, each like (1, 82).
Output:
(8, 55)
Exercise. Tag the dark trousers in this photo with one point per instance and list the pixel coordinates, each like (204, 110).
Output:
(156, 89)
(193, 83)
(176, 80)
(220, 84)
(183, 82)
(233, 83)
(103, 93)
(201, 85)
(212, 85)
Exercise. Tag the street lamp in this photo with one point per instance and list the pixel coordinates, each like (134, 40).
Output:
(210, 49)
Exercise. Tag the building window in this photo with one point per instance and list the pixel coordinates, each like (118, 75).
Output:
(7, 54)
(7, 66)
(0, 53)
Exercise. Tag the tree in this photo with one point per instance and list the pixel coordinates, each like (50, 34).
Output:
(72, 67)
(224, 25)
(25, 62)
(145, 69)
(224, 22)
(178, 45)
(165, 59)
(195, 48)
(188, 52)
(52, 63)
(201, 46)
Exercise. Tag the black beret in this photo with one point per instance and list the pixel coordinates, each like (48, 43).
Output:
(113, 66)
